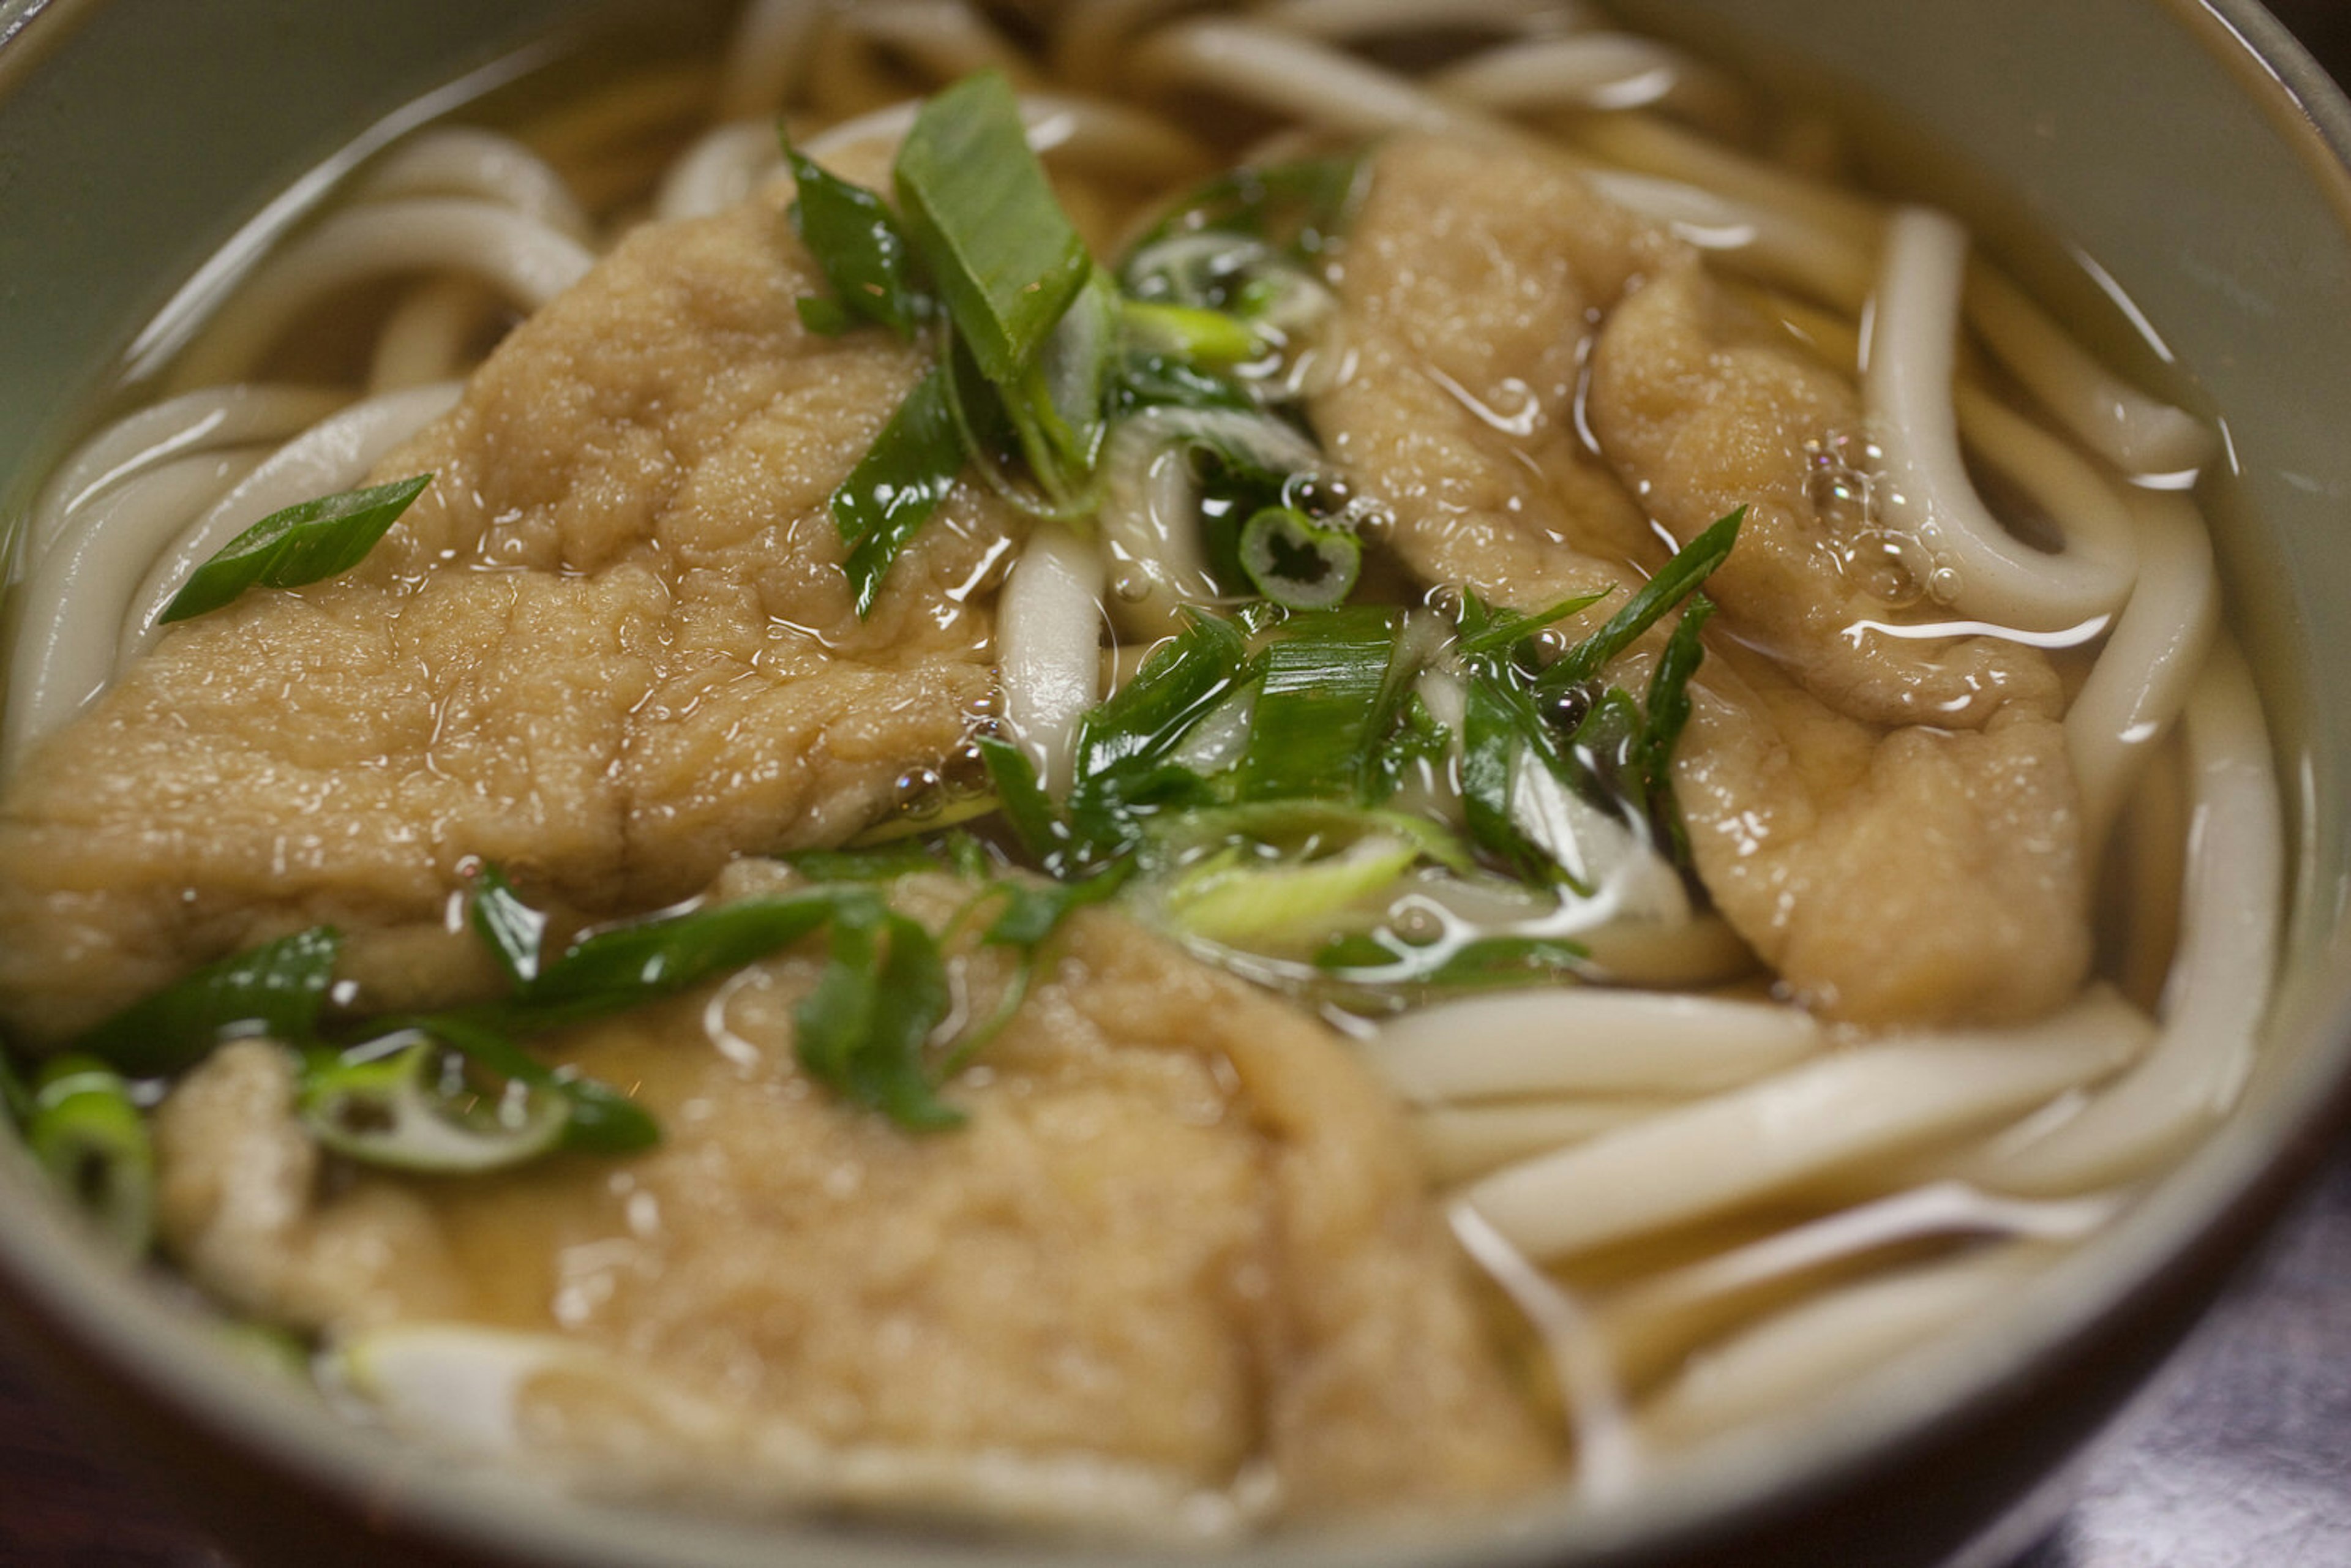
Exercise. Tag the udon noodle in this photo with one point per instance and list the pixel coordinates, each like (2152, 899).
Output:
(1705, 1196)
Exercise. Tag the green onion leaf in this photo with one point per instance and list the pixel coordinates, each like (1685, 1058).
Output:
(512, 930)
(1506, 630)
(405, 1112)
(1668, 712)
(89, 1137)
(863, 253)
(1493, 736)
(1415, 736)
(864, 1029)
(897, 485)
(1240, 901)
(1191, 333)
(1675, 581)
(628, 965)
(1302, 207)
(600, 1119)
(1034, 911)
(274, 990)
(1183, 677)
(1298, 563)
(1027, 807)
(1311, 734)
(1058, 405)
(981, 213)
(306, 542)
(1142, 380)
(834, 1021)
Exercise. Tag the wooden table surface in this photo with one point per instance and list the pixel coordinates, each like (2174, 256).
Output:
(2238, 1457)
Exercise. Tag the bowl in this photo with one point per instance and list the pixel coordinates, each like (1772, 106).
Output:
(2192, 148)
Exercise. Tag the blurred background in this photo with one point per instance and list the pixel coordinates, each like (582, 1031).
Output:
(2239, 1454)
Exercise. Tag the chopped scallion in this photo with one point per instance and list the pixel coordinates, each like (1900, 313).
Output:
(978, 206)
(91, 1140)
(306, 542)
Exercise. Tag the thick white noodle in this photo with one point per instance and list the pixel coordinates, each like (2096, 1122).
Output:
(767, 55)
(1049, 634)
(1089, 38)
(523, 258)
(1607, 1458)
(1648, 1322)
(1459, 1142)
(1586, 1041)
(1086, 134)
(1966, 557)
(1295, 77)
(2150, 661)
(1591, 70)
(429, 334)
(2220, 984)
(1647, 145)
(720, 170)
(1342, 20)
(464, 161)
(75, 596)
(331, 455)
(1719, 1155)
(944, 37)
(1791, 1359)
(176, 427)
(1773, 244)
(2138, 433)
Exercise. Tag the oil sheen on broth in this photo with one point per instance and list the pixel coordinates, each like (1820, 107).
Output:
(1422, 846)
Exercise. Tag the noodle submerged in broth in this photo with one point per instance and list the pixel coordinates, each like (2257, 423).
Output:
(1029, 817)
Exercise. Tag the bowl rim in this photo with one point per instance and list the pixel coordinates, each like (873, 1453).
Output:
(2207, 1210)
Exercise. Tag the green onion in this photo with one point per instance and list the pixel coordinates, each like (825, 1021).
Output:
(864, 1029)
(1298, 563)
(1312, 733)
(897, 485)
(1506, 630)
(1034, 911)
(274, 990)
(1300, 207)
(1184, 678)
(512, 930)
(306, 542)
(1058, 405)
(1142, 379)
(1191, 333)
(601, 1120)
(1494, 733)
(979, 210)
(1676, 581)
(89, 1137)
(1414, 736)
(1236, 900)
(1668, 713)
(626, 966)
(405, 1111)
(860, 249)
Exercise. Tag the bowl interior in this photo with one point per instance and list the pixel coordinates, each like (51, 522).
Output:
(2186, 147)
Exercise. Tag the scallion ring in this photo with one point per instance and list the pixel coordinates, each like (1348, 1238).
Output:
(413, 1110)
(1297, 563)
(90, 1138)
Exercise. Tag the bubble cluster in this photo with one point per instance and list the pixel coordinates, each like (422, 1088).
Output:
(1843, 484)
